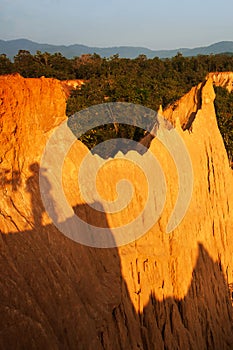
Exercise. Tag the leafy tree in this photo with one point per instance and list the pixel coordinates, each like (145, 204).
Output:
(6, 66)
(60, 67)
(26, 64)
(224, 112)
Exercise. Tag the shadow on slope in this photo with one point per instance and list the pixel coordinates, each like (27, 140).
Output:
(58, 294)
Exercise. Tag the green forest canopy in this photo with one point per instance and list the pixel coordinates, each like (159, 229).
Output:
(149, 82)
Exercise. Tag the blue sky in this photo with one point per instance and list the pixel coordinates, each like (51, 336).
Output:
(154, 24)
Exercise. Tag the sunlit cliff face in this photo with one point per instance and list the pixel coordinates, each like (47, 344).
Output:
(158, 291)
(223, 79)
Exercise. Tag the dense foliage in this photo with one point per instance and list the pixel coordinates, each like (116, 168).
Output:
(224, 111)
(149, 82)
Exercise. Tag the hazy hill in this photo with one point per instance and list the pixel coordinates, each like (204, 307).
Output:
(11, 48)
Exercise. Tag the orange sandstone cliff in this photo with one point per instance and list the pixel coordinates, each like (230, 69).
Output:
(223, 79)
(163, 291)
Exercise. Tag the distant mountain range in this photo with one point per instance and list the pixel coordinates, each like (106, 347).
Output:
(11, 48)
